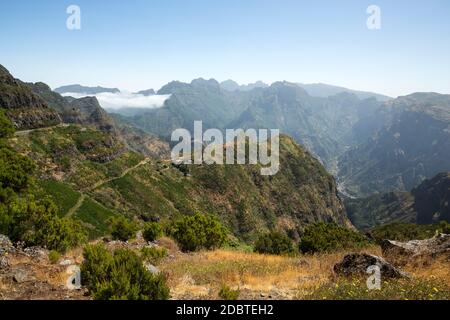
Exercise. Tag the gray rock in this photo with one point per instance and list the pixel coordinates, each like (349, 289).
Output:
(151, 268)
(20, 276)
(436, 246)
(66, 262)
(5, 243)
(355, 264)
(4, 263)
(36, 253)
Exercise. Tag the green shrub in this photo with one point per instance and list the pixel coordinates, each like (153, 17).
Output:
(274, 243)
(15, 170)
(152, 231)
(120, 276)
(54, 256)
(6, 126)
(153, 255)
(38, 224)
(409, 231)
(197, 232)
(323, 237)
(226, 293)
(22, 218)
(122, 229)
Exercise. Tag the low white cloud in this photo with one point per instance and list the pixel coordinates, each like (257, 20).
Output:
(120, 100)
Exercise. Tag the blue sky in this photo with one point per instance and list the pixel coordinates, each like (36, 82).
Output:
(144, 44)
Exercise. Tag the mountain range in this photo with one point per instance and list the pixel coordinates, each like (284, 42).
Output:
(96, 167)
(381, 151)
(371, 143)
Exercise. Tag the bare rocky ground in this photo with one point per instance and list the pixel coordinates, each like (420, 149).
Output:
(27, 274)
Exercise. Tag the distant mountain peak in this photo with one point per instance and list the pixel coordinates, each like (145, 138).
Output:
(231, 85)
(77, 88)
(324, 90)
(202, 81)
(148, 92)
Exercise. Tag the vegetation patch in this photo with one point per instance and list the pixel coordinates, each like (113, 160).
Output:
(120, 275)
(197, 232)
(405, 289)
(153, 255)
(323, 237)
(61, 193)
(122, 229)
(226, 293)
(95, 215)
(409, 231)
(152, 231)
(275, 243)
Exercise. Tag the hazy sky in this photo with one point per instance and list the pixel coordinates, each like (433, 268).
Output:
(145, 44)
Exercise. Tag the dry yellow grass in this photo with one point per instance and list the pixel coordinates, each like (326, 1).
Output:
(428, 268)
(201, 275)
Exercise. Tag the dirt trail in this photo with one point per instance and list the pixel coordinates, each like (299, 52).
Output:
(76, 206)
(100, 183)
(124, 173)
(26, 132)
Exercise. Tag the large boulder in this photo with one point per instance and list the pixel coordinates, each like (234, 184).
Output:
(357, 264)
(436, 246)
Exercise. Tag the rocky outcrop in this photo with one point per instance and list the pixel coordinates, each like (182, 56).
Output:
(437, 246)
(83, 111)
(25, 109)
(357, 264)
(87, 111)
(27, 274)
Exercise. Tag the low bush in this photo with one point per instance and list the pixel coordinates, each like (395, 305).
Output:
(120, 276)
(226, 293)
(197, 232)
(53, 256)
(152, 231)
(274, 243)
(323, 237)
(122, 229)
(153, 255)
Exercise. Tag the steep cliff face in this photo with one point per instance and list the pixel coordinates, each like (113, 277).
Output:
(89, 112)
(432, 199)
(413, 145)
(25, 109)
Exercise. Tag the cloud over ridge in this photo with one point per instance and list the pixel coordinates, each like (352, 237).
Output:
(121, 100)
